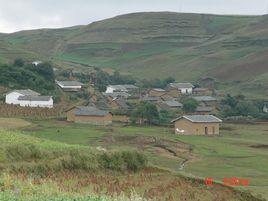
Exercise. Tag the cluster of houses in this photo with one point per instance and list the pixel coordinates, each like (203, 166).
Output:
(201, 122)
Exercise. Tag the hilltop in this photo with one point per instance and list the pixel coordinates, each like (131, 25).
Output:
(230, 49)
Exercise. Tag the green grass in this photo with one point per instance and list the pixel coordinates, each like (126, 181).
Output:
(228, 155)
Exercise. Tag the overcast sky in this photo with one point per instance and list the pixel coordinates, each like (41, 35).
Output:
(32, 14)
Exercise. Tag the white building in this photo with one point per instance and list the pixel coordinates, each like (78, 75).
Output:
(120, 88)
(184, 88)
(28, 98)
(36, 63)
(69, 85)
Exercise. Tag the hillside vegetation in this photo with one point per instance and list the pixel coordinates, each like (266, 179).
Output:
(231, 49)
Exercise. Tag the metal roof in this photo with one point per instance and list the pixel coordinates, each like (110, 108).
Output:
(159, 89)
(123, 87)
(181, 85)
(205, 98)
(173, 103)
(27, 92)
(203, 109)
(89, 111)
(34, 98)
(117, 94)
(69, 83)
(200, 118)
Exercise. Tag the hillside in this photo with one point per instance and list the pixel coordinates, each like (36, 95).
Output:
(232, 49)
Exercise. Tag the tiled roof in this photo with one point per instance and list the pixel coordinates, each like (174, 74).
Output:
(181, 85)
(123, 86)
(27, 92)
(90, 111)
(205, 98)
(203, 109)
(173, 103)
(200, 118)
(69, 83)
(34, 98)
(117, 94)
(159, 89)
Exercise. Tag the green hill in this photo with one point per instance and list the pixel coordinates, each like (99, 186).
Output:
(231, 49)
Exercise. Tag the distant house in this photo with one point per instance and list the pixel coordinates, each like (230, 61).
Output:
(28, 98)
(202, 91)
(206, 100)
(36, 63)
(167, 97)
(147, 98)
(117, 95)
(169, 105)
(197, 125)
(204, 110)
(177, 89)
(90, 115)
(119, 103)
(69, 85)
(120, 88)
(156, 92)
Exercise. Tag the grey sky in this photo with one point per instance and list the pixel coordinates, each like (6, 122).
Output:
(32, 14)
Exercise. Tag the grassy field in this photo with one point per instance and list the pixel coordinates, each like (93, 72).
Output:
(240, 151)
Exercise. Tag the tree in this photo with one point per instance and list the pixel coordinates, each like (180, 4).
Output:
(19, 62)
(190, 105)
(147, 112)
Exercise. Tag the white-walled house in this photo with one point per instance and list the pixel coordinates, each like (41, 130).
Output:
(184, 88)
(69, 85)
(28, 98)
(120, 88)
(36, 63)
(12, 97)
(36, 101)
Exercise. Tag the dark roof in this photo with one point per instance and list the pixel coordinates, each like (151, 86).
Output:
(150, 98)
(200, 118)
(34, 98)
(121, 102)
(69, 83)
(173, 103)
(181, 85)
(205, 98)
(203, 109)
(117, 94)
(27, 92)
(90, 111)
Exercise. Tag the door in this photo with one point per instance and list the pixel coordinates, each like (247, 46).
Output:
(206, 130)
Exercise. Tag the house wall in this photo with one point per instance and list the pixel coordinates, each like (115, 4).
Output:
(121, 118)
(43, 104)
(96, 120)
(174, 92)
(186, 90)
(12, 98)
(156, 93)
(191, 128)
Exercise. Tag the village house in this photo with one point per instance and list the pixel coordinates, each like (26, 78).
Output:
(167, 97)
(202, 91)
(114, 95)
(69, 85)
(197, 125)
(119, 103)
(120, 88)
(206, 100)
(204, 110)
(152, 99)
(90, 115)
(169, 105)
(177, 89)
(156, 92)
(28, 98)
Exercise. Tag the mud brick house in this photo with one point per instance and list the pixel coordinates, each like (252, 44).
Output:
(169, 105)
(178, 89)
(156, 92)
(90, 115)
(202, 91)
(197, 125)
(206, 100)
